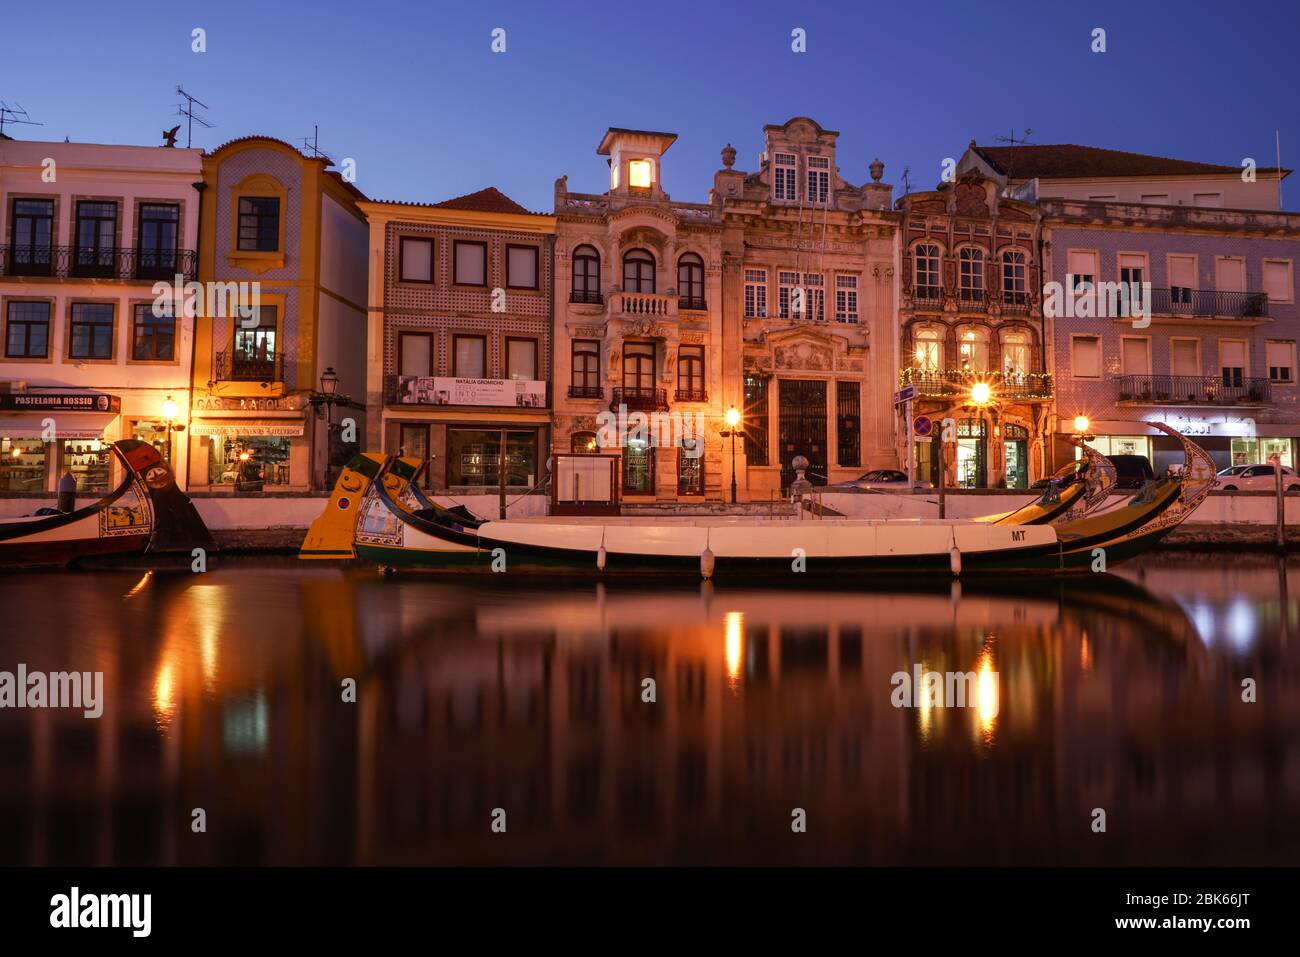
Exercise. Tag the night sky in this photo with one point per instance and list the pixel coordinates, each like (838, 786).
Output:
(412, 91)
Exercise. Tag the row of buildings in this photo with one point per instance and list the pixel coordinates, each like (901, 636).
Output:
(516, 351)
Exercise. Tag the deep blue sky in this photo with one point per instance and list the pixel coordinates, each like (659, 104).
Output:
(410, 89)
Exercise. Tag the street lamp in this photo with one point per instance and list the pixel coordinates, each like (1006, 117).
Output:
(169, 412)
(328, 396)
(1081, 427)
(733, 428)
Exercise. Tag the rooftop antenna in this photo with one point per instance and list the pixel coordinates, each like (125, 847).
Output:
(14, 114)
(907, 180)
(1277, 140)
(186, 110)
(311, 144)
(1013, 141)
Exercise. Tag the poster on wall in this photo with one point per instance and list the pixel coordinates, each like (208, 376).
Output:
(436, 390)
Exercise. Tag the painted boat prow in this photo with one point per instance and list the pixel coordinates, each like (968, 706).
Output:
(333, 532)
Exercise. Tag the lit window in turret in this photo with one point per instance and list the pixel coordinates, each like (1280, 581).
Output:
(639, 173)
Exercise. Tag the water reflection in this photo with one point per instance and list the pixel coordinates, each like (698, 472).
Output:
(226, 691)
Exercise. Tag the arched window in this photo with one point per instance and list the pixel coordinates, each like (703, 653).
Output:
(927, 271)
(929, 351)
(690, 281)
(1015, 355)
(584, 443)
(586, 275)
(973, 350)
(1014, 278)
(971, 275)
(638, 271)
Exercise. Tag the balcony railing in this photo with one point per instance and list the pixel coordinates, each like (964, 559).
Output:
(927, 297)
(692, 302)
(586, 392)
(1194, 390)
(971, 298)
(79, 262)
(588, 297)
(692, 395)
(957, 382)
(238, 367)
(640, 400)
(1015, 301)
(650, 304)
(1182, 301)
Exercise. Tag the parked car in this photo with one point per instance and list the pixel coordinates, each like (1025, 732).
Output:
(1132, 471)
(1256, 478)
(883, 480)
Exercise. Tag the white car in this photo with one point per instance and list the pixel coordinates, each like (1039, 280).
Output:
(884, 480)
(1256, 478)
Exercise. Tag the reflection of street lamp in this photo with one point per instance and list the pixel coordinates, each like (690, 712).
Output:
(733, 428)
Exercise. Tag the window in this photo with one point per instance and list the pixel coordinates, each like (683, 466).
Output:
(640, 173)
(27, 334)
(1132, 274)
(1135, 356)
(415, 354)
(521, 267)
(585, 382)
(1182, 280)
(259, 223)
(929, 351)
(91, 334)
(638, 467)
(819, 180)
(973, 350)
(584, 443)
(1159, 198)
(1232, 361)
(586, 275)
(690, 467)
(927, 271)
(469, 357)
(158, 239)
(31, 237)
(1281, 360)
(690, 281)
(1085, 357)
(849, 422)
(787, 282)
(756, 420)
(690, 374)
(1083, 272)
(413, 442)
(1210, 200)
(1015, 290)
(1015, 355)
(96, 238)
(415, 259)
(755, 293)
(784, 177)
(22, 465)
(255, 348)
(1277, 280)
(814, 297)
(153, 337)
(846, 298)
(474, 458)
(638, 271)
(1185, 357)
(971, 274)
(521, 359)
(471, 263)
(639, 367)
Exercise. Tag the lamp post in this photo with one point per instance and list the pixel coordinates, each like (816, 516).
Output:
(169, 412)
(328, 396)
(733, 428)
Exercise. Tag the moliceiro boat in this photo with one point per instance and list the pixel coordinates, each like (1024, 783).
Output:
(397, 527)
(146, 513)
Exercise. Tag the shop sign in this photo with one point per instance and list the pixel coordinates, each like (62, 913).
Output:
(436, 390)
(61, 402)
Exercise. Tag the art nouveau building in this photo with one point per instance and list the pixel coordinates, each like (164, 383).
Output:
(86, 230)
(972, 340)
(460, 343)
(807, 310)
(284, 221)
(638, 293)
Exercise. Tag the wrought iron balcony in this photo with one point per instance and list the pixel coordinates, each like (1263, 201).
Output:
(952, 383)
(971, 298)
(81, 262)
(588, 297)
(640, 400)
(695, 303)
(927, 297)
(1183, 301)
(1194, 390)
(240, 367)
(586, 392)
(692, 395)
(1015, 301)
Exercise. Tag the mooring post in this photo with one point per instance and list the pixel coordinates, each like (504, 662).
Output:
(1276, 459)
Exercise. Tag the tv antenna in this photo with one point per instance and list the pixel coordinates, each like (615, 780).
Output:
(907, 180)
(1013, 141)
(186, 110)
(14, 114)
(311, 144)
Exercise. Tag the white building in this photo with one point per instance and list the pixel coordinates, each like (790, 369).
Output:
(86, 231)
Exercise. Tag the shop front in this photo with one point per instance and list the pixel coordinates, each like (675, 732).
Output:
(46, 435)
(1229, 440)
(251, 455)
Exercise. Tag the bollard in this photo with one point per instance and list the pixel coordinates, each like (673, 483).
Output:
(1281, 501)
(67, 501)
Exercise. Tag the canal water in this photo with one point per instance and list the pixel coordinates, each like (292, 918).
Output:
(497, 722)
